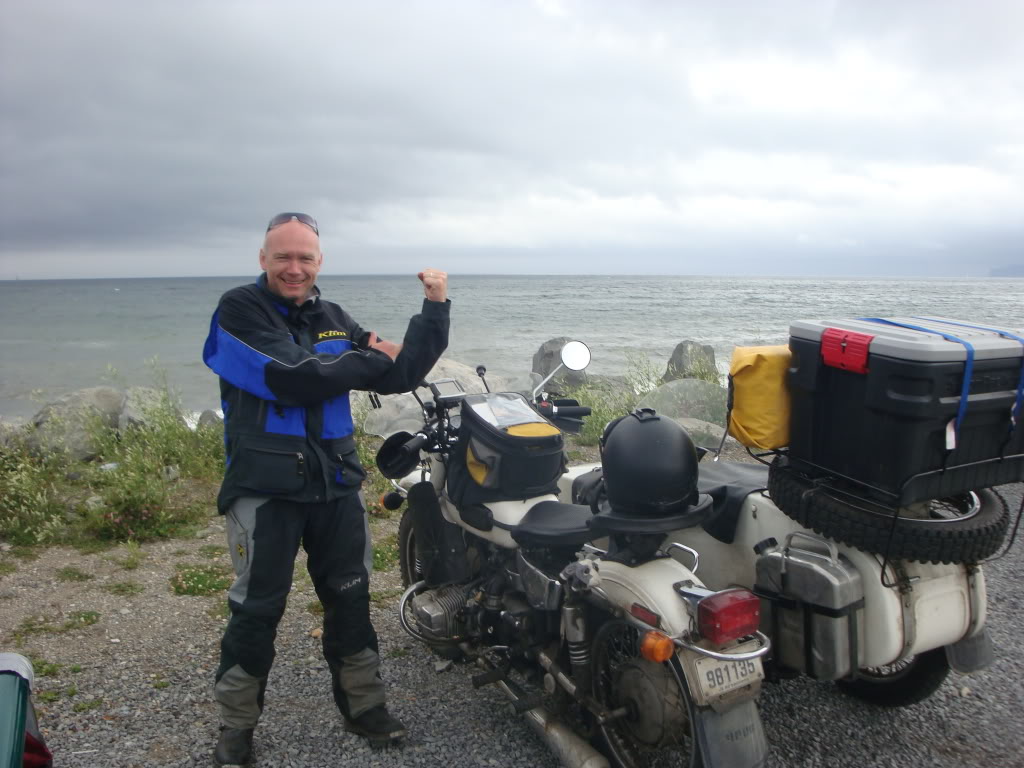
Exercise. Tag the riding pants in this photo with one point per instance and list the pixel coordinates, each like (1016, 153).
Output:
(264, 536)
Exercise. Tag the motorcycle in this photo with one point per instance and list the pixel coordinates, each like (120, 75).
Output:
(615, 655)
(883, 605)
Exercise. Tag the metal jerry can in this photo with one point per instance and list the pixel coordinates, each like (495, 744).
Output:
(811, 602)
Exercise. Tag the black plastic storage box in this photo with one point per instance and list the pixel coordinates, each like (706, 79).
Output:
(878, 403)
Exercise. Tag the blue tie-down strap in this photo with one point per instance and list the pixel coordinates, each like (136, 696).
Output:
(965, 390)
(1015, 411)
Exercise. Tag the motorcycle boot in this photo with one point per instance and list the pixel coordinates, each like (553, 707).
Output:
(234, 747)
(377, 725)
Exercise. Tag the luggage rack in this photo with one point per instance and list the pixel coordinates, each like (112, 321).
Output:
(897, 498)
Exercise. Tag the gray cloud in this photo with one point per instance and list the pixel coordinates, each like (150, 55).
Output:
(842, 137)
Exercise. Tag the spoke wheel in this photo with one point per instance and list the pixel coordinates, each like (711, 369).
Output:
(408, 566)
(900, 684)
(655, 730)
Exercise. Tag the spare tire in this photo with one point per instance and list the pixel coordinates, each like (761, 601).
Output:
(965, 528)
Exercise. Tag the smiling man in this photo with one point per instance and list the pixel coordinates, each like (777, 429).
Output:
(287, 360)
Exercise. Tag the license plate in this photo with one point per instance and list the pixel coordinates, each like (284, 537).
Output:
(716, 677)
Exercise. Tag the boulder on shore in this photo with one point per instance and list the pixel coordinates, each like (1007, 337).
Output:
(65, 425)
(68, 424)
(548, 358)
(690, 360)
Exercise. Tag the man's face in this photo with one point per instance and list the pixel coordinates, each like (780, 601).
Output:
(291, 258)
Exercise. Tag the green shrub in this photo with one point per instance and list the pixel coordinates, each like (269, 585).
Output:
(31, 510)
(606, 403)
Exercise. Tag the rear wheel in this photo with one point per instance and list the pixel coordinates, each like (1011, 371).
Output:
(656, 727)
(901, 684)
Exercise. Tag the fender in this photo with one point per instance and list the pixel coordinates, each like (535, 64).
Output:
(731, 738)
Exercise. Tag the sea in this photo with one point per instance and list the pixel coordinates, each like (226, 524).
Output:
(63, 335)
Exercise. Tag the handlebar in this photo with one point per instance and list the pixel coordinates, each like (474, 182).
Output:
(563, 411)
(412, 446)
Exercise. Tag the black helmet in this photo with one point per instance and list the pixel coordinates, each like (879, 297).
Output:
(650, 466)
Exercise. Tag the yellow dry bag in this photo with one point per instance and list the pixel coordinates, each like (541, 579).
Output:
(759, 417)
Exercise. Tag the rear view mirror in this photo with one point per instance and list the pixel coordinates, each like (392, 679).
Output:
(575, 355)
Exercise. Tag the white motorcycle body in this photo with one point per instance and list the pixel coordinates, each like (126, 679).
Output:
(650, 584)
(935, 606)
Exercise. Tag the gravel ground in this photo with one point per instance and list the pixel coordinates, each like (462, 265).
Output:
(143, 689)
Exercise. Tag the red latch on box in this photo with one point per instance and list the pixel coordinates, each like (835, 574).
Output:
(845, 349)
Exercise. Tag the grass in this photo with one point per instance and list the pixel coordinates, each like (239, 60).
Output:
(86, 706)
(212, 551)
(315, 607)
(42, 624)
(124, 588)
(219, 610)
(71, 573)
(385, 553)
(7, 567)
(385, 595)
(44, 668)
(133, 556)
(48, 697)
(200, 579)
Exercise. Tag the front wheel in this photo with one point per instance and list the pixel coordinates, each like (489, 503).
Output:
(656, 728)
(906, 682)
(408, 566)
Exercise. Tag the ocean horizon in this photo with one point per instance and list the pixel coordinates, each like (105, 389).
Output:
(64, 334)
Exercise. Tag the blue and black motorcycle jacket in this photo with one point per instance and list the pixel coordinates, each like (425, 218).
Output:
(285, 376)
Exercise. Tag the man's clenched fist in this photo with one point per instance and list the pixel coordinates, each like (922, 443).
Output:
(435, 284)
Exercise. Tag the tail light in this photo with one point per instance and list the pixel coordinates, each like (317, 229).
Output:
(728, 615)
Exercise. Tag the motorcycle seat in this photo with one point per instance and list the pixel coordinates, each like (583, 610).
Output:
(555, 524)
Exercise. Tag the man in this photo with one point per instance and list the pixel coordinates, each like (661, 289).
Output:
(287, 360)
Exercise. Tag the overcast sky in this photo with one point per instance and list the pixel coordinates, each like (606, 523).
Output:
(494, 136)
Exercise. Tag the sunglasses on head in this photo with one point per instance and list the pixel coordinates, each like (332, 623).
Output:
(284, 218)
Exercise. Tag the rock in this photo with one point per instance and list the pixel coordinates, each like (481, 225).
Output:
(209, 419)
(316, 633)
(171, 473)
(139, 405)
(66, 424)
(94, 503)
(691, 360)
(442, 666)
(547, 358)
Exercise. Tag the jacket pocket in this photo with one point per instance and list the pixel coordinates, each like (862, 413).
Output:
(267, 469)
(349, 471)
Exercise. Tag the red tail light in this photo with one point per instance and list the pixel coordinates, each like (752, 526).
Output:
(726, 616)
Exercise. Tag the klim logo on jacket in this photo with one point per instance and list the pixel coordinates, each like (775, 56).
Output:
(331, 335)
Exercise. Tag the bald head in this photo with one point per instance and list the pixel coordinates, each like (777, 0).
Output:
(291, 258)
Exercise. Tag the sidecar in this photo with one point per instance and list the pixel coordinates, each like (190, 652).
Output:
(886, 631)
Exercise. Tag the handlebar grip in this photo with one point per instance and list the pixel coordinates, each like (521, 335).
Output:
(551, 411)
(412, 446)
(573, 411)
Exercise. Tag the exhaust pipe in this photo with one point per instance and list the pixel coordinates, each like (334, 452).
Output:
(571, 750)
